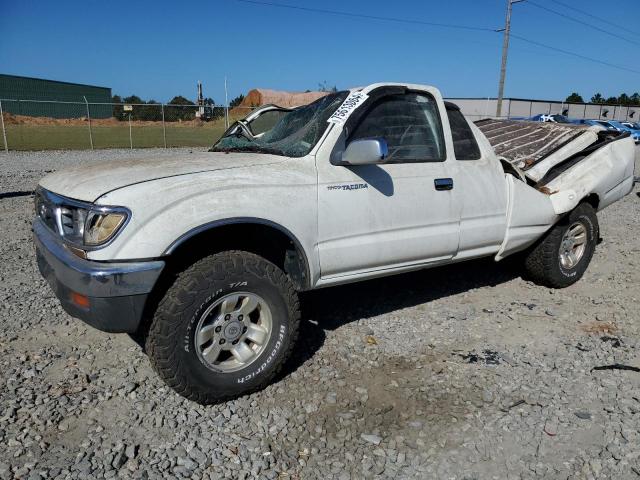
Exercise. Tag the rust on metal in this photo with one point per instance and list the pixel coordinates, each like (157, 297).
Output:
(546, 190)
(525, 143)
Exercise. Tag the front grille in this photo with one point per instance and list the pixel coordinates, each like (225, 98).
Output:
(46, 211)
(66, 221)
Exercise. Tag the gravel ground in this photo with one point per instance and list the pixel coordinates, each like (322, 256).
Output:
(463, 372)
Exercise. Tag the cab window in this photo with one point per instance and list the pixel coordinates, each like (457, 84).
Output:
(465, 145)
(409, 123)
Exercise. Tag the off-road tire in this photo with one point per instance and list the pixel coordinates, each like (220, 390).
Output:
(170, 339)
(542, 262)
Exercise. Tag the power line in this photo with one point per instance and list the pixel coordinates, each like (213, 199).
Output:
(368, 17)
(570, 7)
(574, 54)
(434, 24)
(573, 19)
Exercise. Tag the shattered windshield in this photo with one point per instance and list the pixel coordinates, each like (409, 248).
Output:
(294, 135)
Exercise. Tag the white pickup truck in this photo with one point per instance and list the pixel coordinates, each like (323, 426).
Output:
(203, 255)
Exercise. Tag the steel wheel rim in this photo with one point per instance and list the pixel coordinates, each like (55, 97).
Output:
(573, 245)
(233, 331)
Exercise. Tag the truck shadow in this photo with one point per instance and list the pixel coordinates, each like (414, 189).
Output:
(331, 308)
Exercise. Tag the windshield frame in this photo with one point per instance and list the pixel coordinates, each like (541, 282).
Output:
(265, 111)
(316, 125)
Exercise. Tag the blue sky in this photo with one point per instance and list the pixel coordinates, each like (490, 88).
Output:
(158, 49)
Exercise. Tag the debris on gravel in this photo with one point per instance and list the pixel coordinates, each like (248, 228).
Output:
(467, 371)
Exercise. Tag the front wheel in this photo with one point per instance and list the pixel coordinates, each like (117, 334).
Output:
(224, 328)
(563, 255)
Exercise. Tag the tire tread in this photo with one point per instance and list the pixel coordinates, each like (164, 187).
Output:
(541, 262)
(191, 284)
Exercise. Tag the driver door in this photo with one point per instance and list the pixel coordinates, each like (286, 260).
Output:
(374, 218)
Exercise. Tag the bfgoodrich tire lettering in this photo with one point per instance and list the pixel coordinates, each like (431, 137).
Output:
(171, 341)
(546, 265)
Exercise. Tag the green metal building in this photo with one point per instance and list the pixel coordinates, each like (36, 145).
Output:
(37, 97)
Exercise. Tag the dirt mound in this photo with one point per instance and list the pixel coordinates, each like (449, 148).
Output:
(12, 119)
(263, 96)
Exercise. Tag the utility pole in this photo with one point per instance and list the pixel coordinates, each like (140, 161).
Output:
(505, 51)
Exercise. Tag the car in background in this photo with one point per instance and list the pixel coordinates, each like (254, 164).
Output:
(627, 127)
(555, 118)
(616, 126)
(544, 117)
(610, 125)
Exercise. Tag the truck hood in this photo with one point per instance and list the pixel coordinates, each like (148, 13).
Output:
(88, 183)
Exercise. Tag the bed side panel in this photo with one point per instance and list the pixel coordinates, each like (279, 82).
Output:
(607, 172)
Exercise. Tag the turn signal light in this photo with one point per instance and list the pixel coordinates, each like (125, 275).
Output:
(81, 301)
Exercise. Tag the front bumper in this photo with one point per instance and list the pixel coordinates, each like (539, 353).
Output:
(116, 292)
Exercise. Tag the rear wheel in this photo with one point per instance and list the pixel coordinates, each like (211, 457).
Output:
(224, 328)
(563, 255)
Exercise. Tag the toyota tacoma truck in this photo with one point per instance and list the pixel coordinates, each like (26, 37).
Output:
(202, 255)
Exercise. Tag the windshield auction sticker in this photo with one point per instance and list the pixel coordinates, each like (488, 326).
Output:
(353, 101)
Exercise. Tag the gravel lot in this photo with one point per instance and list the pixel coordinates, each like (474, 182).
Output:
(463, 372)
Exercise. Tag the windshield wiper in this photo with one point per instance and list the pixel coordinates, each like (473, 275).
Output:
(250, 148)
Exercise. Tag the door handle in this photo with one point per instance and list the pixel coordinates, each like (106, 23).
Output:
(443, 183)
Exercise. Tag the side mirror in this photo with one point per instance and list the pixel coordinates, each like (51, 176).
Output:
(365, 152)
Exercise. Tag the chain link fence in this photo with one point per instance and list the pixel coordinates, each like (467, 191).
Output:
(50, 125)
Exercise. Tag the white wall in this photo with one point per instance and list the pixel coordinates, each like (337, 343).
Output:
(477, 108)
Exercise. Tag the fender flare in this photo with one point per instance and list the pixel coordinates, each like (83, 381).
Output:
(246, 221)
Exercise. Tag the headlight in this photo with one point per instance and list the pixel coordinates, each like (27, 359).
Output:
(101, 227)
(80, 224)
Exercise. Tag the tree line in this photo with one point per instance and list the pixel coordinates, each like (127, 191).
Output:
(179, 108)
(623, 99)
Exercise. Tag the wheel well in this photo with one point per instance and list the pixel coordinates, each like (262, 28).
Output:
(592, 200)
(270, 242)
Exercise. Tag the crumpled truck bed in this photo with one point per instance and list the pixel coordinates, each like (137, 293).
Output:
(563, 165)
(535, 147)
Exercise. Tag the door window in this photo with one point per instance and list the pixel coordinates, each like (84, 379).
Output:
(464, 141)
(409, 123)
